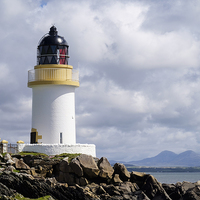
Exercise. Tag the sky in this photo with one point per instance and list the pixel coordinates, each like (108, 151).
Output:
(139, 66)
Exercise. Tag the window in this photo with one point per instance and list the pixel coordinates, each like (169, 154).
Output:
(61, 138)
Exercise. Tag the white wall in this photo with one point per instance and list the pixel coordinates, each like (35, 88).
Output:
(53, 112)
(56, 149)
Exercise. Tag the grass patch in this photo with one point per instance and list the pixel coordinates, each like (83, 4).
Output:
(64, 155)
(24, 153)
(3, 154)
(21, 197)
(15, 170)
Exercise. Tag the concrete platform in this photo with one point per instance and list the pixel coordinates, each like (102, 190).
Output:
(55, 149)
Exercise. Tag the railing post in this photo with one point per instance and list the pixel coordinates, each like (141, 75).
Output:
(19, 146)
(4, 146)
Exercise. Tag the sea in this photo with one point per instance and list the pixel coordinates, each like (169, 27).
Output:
(174, 177)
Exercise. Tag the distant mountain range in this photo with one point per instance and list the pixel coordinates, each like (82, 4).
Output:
(168, 159)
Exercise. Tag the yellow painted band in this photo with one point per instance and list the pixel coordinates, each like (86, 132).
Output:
(53, 66)
(72, 83)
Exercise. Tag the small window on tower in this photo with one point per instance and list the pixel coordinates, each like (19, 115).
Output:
(61, 138)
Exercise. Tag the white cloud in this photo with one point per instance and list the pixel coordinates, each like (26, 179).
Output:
(139, 71)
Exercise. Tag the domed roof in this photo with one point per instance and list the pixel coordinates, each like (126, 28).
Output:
(52, 38)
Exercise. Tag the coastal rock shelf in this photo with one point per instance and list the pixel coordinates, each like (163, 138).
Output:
(84, 177)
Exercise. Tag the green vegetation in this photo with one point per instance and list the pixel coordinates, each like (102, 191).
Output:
(21, 197)
(15, 170)
(60, 156)
(3, 154)
(63, 155)
(24, 153)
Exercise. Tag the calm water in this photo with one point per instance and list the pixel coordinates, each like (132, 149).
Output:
(174, 177)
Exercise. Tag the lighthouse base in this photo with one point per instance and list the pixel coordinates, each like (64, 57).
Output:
(56, 149)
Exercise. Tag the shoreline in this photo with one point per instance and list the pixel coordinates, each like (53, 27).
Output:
(162, 169)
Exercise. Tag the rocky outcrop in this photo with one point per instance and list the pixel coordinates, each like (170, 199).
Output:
(86, 178)
(106, 170)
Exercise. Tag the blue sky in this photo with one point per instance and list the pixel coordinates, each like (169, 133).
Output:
(139, 69)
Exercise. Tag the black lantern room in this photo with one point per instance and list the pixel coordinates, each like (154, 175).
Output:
(52, 49)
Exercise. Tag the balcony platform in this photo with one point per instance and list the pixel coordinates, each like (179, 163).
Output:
(53, 74)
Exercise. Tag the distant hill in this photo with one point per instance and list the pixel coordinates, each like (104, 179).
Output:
(169, 159)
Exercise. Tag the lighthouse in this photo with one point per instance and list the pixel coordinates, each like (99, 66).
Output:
(53, 82)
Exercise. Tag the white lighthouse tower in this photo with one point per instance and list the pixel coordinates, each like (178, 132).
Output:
(53, 84)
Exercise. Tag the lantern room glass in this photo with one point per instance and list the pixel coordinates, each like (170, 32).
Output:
(52, 54)
(52, 49)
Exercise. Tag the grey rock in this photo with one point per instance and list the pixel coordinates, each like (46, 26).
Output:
(106, 170)
(172, 191)
(116, 179)
(19, 164)
(138, 178)
(153, 189)
(69, 178)
(25, 171)
(76, 167)
(89, 166)
(82, 181)
(33, 188)
(10, 162)
(51, 181)
(10, 168)
(7, 157)
(4, 190)
(120, 169)
(64, 166)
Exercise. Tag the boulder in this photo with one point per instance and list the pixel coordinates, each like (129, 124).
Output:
(51, 181)
(82, 181)
(188, 191)
(116, 179)
(19, 164)
(120, 169)
(153, 189)
(76, 167)
(14, 159)
(33, 172)
(111, 190)
(140, 195)
(64, 166)
(34, 188)
(172, 191)
(33, 161)
(60, 177)
(7, 157)
(100, 190)
(10, 168)
(192, 194)
(25, 171)
(69, 178)
(44, 171)
(88, 165)
(10, 162)
(185, 186)
(106, 170)
(138, 178)
(126, 188)
(1, 170)
(4, 190)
